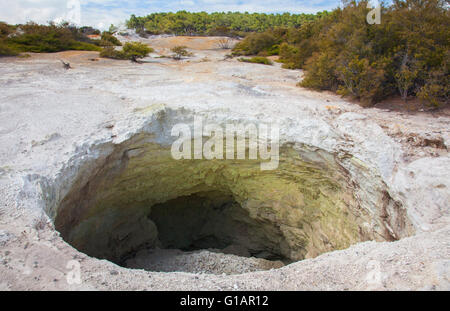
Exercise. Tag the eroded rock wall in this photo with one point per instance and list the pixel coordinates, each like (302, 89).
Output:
(310, 205)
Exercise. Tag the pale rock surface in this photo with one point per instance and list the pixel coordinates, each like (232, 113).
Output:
(50, 118)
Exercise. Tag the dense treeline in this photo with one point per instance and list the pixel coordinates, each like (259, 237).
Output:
(407, 54)
(32, 37)
(202, 23)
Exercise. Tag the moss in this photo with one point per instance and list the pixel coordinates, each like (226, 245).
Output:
(302, 205)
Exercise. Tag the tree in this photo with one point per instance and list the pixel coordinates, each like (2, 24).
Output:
(406, 54)
(136, 50)
(217, 24)
(406, 77)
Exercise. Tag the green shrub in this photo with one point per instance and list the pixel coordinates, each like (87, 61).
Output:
(436, 91)
(109, 39)
(406, 54)
(255, 43)
(49, 38)
(111, 52)
(179, 52)
(104, 43)
(83, 46)
(131, 50)
(6, 50)
(361, 80)
(136, 50)
(257, 60)
(274, 50)
(290, 56)
(320, 75)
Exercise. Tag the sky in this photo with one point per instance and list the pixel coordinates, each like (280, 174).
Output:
(102, 13)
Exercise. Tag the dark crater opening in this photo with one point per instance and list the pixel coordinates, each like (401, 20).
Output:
(214, 220)
(140, 208)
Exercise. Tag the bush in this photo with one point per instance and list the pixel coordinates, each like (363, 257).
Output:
(273, 50)
(179, 52)
(257, 60)
(255, 43)
(290, 56)
(111, 52)
(436, 91)
(5, 50)
(49, 38)
(132, 51)
(136, 50)
(361, 80)
(225, 44)
(82, 46)
(109, 39)
(406, 54)
(320, 73)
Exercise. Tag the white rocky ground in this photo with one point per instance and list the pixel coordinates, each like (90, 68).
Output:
(49, 118)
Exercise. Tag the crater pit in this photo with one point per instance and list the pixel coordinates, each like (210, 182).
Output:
(137, 201)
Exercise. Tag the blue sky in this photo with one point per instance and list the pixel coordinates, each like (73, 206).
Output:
(101, 13)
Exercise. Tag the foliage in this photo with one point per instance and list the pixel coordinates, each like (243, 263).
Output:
(256, 43)
(215, 24)
(361, 79)
(136, 50)
(111, 52)
(108, 39)
(6, 50)
(436, 89)
(131, 50)
(257, 60)
(290, 56)
(87, 30)
(320, 72)
(407, 54)
(179, 52)
(32, 37)
(6, 30)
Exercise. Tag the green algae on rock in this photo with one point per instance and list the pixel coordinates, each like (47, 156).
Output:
(140, 197)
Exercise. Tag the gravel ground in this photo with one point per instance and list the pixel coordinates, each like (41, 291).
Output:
(198, 262)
